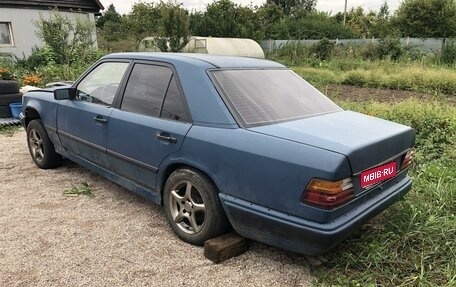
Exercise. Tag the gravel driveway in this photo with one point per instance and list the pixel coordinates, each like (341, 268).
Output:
(112, 239)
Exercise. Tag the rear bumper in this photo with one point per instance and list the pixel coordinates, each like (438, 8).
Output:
(300, 235)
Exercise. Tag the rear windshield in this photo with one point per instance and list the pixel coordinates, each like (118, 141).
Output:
(260, 97)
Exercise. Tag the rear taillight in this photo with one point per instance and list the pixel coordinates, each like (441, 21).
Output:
(328, 194)
(407, 159)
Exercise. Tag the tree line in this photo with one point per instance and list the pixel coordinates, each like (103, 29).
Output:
(172, 24)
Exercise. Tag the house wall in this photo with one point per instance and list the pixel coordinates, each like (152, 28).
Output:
(24, 30)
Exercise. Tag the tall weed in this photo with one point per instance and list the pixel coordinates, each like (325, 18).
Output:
(382, 74)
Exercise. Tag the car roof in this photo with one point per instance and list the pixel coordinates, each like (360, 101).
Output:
(201, 59)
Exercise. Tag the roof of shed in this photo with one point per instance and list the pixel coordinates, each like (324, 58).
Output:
(84, 5)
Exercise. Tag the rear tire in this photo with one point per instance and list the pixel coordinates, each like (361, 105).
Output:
(193, 207)
(40, 146)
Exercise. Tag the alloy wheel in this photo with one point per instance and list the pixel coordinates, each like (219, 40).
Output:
(187, 207)
(36, 145)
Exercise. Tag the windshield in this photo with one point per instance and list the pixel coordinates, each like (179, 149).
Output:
(260, 97)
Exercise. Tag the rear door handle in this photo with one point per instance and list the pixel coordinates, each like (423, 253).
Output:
(100, 119)
(166, 137)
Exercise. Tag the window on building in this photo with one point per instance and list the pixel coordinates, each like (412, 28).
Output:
(6, 37)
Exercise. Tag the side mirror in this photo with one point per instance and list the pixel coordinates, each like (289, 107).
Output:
(65, 94)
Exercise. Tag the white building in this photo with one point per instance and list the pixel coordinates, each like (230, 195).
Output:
(17, 28)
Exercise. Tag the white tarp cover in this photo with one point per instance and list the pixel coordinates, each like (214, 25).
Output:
(224, 46)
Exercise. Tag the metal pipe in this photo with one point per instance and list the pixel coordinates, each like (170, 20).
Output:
(345, 12)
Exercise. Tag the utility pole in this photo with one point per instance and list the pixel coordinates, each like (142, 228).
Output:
(345, 12)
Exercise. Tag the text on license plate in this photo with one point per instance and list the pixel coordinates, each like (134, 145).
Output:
(378, 174)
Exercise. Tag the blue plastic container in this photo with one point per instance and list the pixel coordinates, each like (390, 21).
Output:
(15, 109)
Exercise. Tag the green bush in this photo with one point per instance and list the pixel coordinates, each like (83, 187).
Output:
(68, 51)
(448, 53)
(124, 45)
(69, 39)
(290, 54)
(323, 49)
(370, 52)
(6, 74)
(40, 57)
(355, 78)
(53, 73)
(390, 48)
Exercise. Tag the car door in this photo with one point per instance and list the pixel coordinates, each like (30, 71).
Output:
(151, 123)
(82, 122)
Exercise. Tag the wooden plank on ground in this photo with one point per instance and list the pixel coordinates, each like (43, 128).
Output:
(225, 246)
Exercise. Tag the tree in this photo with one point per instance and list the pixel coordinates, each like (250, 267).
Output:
(429, 18)
(315, 25)
(198, 25)
(220, 19)
(174, 31)
(68, 39)
(224, 18)
(361, 23)
(270, 17)
(288, 5)
(382, 27)
(110, 15)
(143, 21)
(110, 25)
(248, 24)
(383, 12)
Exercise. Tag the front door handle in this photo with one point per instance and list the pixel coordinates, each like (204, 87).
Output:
(166, 137)
(100, 119)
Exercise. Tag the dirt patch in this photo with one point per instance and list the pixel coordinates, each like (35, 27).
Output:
(352, 93)
(112, 239)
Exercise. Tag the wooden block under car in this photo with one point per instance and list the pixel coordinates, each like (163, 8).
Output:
(225, 246)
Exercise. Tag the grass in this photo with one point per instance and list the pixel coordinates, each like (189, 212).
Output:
(381, 74)
(9, 130)
(413, 243)
(82, 189)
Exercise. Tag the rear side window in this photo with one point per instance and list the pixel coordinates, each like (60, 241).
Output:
(260, 97)
(146, 89)
(174, 106)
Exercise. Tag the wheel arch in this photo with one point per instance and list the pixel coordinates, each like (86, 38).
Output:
(169, 169)
(31, 114)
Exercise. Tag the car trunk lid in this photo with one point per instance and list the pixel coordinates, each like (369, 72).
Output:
(366, 141)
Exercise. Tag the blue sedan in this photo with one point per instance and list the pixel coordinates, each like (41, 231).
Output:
(225, 142)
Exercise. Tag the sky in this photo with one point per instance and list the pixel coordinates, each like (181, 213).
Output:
(332, 6)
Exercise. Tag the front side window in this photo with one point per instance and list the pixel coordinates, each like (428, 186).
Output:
(6, 38)
(101, 84)
(260, 97)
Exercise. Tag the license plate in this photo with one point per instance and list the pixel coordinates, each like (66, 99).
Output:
(378, 174)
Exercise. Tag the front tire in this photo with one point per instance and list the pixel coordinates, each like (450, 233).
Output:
(192, 206)
(40, 146)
